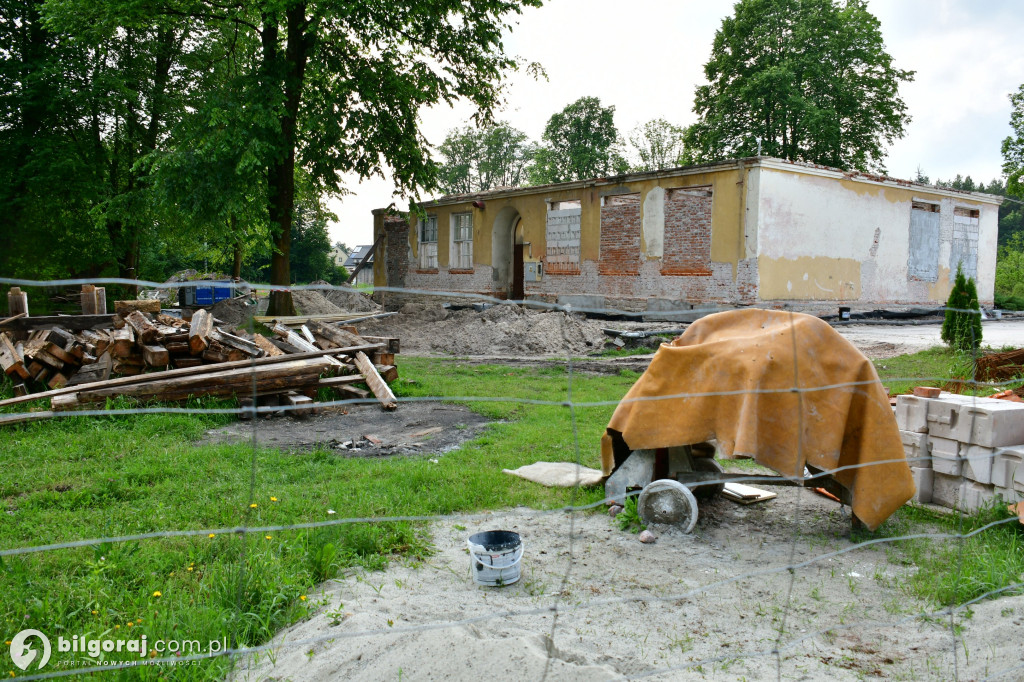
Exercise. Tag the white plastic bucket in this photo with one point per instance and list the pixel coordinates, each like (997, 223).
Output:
(494, 557)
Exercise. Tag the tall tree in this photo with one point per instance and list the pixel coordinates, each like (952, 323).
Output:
(579, 142)
(477, 159)
(805, 80)
(1013, 146)
(657, 144)
(337, 87)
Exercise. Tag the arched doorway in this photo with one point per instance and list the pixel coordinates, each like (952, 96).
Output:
(507, 254)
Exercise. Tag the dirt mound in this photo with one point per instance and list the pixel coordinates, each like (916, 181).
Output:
(349, 300)
(313, 303)
(508, 330)
(234, 311)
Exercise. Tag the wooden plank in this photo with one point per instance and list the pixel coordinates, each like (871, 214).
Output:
(17, 302)
(264, 344)
(383, 358)
(366, 257)
(352, 392)
(306, 334)
(388, 373)
(302, 344)
(337, 336)
(101, 300)
(237, 342)
(58, 352)
(301, 406)
(189, 371)
(58, 380)
(143, 306)
(297, 320)
(348, 379)
(12, 318)
(379, 387)
(41, 355)
(188, 362)
(88, 298)
(391, 344)
(199, 331)
(156, 356)
(145, 330)
(177, 347)
(74, 322)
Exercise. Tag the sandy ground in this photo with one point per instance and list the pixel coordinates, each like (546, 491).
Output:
(710, 605)
(596, 604)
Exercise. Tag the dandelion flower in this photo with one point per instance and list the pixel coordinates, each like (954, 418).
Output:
(157, 594)
(117, 627)
(253, 505)
(302, 598)
(273, 499)
(268, 537)
(212, 535)
(95, 613)
(131, 624)
(190, 569)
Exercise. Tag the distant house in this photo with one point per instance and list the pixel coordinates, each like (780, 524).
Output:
(755, 231)
(365, 275)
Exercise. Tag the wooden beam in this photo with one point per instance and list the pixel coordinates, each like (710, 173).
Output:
(187, 371)
(143, 306)
(379, 387)
(145, 330)
(73, 322)
(266, 346)
(365, 259)
(293, 339)
(17, 302)
(199, 331)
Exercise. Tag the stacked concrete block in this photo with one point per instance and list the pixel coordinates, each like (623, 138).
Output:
(963, 450)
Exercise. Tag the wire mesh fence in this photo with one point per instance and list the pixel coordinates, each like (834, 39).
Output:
(220, 573)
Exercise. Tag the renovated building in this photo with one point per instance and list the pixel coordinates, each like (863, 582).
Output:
(754, 231)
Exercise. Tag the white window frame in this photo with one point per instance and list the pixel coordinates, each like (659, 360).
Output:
(428, 243)
(462, 241)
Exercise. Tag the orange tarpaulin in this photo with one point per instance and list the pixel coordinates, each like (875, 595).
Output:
(783, 388)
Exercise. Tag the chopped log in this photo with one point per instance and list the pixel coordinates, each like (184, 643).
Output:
(234, 355)
(388, 373)
(170, 320)
(177, 347)
(156, 356)
(145, 330)
(78, 352)
(237, 342)
(382, 358)
(118, 322)
(88, 298)
(335, 335)
(143, 306)
(17, 302)
(35, 369)
(58, 380)
(11, 361)
(380, 389)
(42, 356)
(300, 405)
(391, 344)
(187, 362)
(123, 343)
(42, 375)
(58, 352)
(20, 389)
(265, 345)
(199, 331)
(267, 378)
(215, 353)
(127, 369)
(190, 371)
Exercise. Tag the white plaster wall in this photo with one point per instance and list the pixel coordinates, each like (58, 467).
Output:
(653, 211)
(809, 216)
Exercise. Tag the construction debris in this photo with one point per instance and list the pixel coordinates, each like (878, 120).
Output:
(78, 360)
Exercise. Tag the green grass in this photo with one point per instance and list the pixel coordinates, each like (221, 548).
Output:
(82, 477)
(953, 572)
(937, 367)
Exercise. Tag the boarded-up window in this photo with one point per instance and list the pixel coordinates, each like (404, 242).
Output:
(687, 248)
(965, 242)
(620, 235)
(562, 239)
(923, 260)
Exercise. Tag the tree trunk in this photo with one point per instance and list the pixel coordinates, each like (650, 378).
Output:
(281, 171)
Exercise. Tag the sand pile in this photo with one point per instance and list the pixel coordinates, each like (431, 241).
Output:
(309, 302)
(234, 311)
(349, 300)
(505, 330)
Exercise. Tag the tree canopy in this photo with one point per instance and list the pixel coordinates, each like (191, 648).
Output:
(579, 142)
(657, 144)
(477, 158)
(1013, 146)
(805, 80)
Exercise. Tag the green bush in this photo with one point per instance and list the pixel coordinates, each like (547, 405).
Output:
(1010, 274)
(962, 327)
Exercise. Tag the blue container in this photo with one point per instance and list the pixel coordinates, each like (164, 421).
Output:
(204, 295)
(221, 294)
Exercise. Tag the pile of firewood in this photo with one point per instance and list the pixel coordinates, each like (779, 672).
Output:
(143, 353)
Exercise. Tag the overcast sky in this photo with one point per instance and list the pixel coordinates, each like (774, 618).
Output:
(645, 57)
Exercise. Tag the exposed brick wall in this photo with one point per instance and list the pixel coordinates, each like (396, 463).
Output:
(396, 261)
(620, 235)
(687, 233)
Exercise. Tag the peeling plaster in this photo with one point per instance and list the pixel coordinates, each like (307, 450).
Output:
(654, 222)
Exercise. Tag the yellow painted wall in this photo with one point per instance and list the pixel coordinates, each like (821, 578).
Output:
(809, 278)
